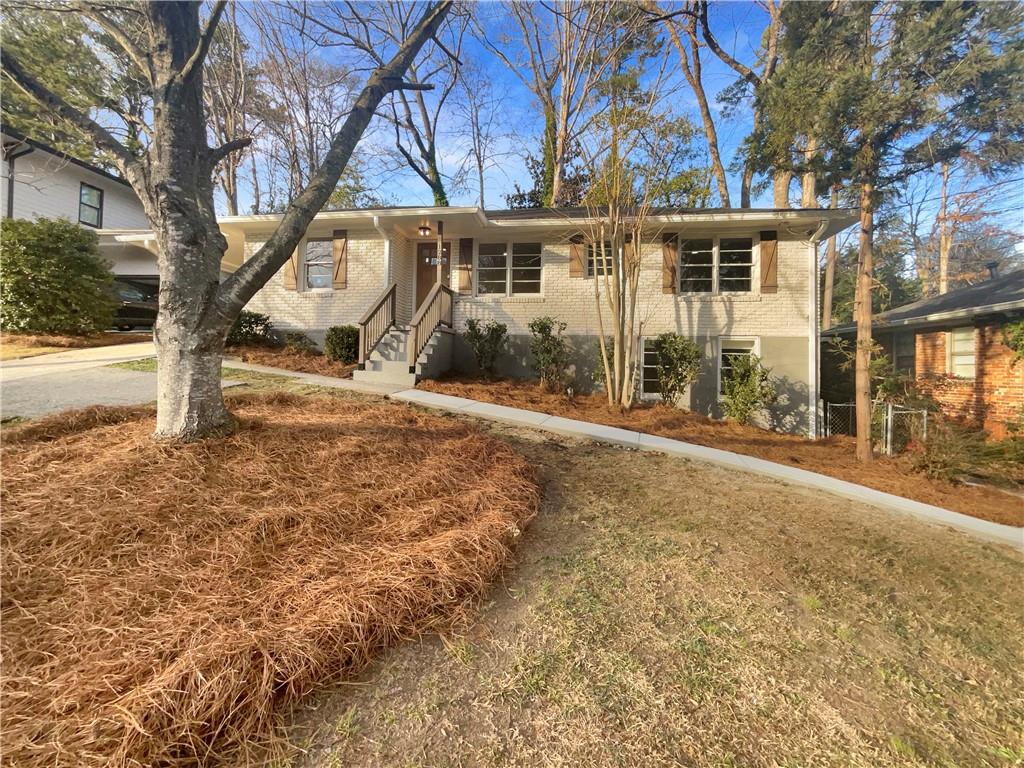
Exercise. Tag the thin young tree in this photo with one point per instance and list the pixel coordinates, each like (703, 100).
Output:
(902, 88)
(173, 177)
(637, 153)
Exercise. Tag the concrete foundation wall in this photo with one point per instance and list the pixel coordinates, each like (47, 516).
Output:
(787, 357)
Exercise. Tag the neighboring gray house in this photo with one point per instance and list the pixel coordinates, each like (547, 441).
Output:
(42, 182)
(738, 281)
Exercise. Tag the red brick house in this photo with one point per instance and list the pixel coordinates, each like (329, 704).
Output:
(953, 346)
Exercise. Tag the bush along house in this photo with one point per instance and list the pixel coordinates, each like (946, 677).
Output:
(959, 348)
(737, 281)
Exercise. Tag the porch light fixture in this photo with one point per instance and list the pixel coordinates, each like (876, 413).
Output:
(424, 230)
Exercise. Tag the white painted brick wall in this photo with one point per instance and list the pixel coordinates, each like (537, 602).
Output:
(316, 311)
(782, 314)
(572, 299)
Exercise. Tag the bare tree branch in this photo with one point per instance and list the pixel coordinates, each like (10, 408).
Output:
(194, 63)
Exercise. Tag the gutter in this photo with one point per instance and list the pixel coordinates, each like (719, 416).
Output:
(11, 157)
(386, 235)
(937, 317)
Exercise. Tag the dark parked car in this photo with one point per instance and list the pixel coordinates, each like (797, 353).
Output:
(137, 307)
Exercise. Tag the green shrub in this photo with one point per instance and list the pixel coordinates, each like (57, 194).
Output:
(341, 344)
(1013, 337)
(678, 364)
(747, 389)
(486, 341)
(952, 450)
(53, 280)
(550, 350)
(297, 341)
(251, 328)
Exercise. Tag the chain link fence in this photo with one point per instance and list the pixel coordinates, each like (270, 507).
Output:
(893, 427)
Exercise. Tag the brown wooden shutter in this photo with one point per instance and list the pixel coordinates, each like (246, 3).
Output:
(669, 262)
(340, 280)
(291, 272)
(769, 262)
(577, 258)
(466, 265)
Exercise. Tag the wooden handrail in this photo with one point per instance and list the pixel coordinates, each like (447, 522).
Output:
(376, 322)
(435, 311)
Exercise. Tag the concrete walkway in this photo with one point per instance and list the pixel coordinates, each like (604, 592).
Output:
(983, 529)
(73, 360)
(78, 378)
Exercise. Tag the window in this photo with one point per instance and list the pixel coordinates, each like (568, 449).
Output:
(90, 206)
(729, 350)
(599, 262)
(716, 265)
(697, 269)
(961, 352)
(735, 264)
(496, 272)
(903, 353)
(319, 264)
(649, 379)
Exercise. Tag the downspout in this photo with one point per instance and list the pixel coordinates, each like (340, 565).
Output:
(388, 266)
(11, 157)
(813, 330)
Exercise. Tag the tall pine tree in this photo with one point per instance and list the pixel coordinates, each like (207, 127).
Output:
(894, 89)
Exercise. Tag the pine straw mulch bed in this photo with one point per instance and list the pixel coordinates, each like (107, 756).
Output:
(833, 456)
(25, 344)
(164, 604)
(291, 360)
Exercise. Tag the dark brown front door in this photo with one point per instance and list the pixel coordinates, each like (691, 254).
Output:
(426, 268)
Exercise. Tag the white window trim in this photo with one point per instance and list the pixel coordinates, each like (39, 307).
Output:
(302, 266)
(653, 396)
(508, 270)
(755, 266)
(719, 343)
(949, 352)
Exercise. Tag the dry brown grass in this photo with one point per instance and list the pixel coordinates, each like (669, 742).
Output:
(292, 360)
(17, 345)
(834, 456)
(164, 604)
(668, 613)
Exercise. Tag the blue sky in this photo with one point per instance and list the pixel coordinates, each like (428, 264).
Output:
(738, 26)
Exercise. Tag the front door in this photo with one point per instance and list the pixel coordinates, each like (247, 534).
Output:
(426, 268)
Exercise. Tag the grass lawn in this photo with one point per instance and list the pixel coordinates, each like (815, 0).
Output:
(834, 456)
(14, 346)
(666, 613)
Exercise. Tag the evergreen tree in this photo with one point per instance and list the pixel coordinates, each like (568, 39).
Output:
(898, 88)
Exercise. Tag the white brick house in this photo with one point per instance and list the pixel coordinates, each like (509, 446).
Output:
(736, 281)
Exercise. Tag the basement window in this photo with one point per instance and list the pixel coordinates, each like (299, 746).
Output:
(961, 352)
(90, 205)
(728, 351)
(650, 386)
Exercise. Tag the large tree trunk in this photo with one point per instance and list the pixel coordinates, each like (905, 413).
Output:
(189, 339)
(830, 271)
(945, 232)
(780, 186)
(862, 314)
(809, 179)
